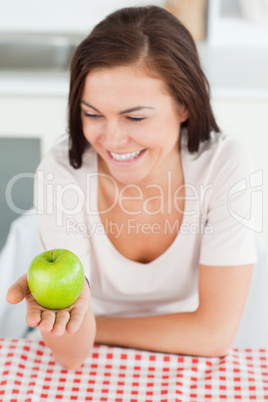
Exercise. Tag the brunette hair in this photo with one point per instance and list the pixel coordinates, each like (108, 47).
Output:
(149, 37)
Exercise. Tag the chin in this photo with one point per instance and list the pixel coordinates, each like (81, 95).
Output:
(129, 178)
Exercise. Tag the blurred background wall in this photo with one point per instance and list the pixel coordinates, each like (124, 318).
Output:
(232, 41)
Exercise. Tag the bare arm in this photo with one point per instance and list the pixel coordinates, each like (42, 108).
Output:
(69, 332)
(208, 331)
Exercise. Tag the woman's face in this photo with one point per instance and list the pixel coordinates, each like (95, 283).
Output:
(132, 122)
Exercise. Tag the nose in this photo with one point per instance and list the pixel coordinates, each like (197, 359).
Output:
(114, 136)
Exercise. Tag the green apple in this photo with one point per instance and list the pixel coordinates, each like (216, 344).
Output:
(55, 278)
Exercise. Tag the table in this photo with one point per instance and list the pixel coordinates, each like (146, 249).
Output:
(29, 373)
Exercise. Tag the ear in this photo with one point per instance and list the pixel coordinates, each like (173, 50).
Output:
(184, 113)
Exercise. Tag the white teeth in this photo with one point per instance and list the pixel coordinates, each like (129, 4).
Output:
(125, 157)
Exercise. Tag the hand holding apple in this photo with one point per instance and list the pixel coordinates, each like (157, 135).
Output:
(56, 278)
(57, 322)
(49, 321)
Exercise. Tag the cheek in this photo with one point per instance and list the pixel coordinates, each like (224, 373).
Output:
(90, 133)
(162, 132)
(171, 129)
(150, 133)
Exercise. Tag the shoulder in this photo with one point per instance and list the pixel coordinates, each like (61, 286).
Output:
(221, 146)
(56, 161)
(230, 159)
(221, 156)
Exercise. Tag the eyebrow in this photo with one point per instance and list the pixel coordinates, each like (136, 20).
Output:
(133, 109)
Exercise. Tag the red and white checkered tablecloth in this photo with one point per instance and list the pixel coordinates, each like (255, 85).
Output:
(29, 373)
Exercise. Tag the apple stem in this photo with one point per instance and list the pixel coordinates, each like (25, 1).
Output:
(51, 259)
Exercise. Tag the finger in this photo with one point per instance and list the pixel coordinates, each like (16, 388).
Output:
(47, 321)
(33, 317)
(34, 311)
(18, 290)
(62, 319)
(76, 318)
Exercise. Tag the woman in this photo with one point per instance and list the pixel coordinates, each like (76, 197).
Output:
(141, 193)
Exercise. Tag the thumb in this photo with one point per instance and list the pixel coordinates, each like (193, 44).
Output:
(17, 292)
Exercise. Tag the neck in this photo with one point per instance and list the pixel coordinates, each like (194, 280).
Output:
(165, 180)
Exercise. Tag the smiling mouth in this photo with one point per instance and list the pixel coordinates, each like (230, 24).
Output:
(125, 157)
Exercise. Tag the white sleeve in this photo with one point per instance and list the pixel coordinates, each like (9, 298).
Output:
(230, 233)
(57, 203)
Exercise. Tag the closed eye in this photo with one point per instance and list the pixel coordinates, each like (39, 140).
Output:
(92, 115)
(95, 116)
(135, 118)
